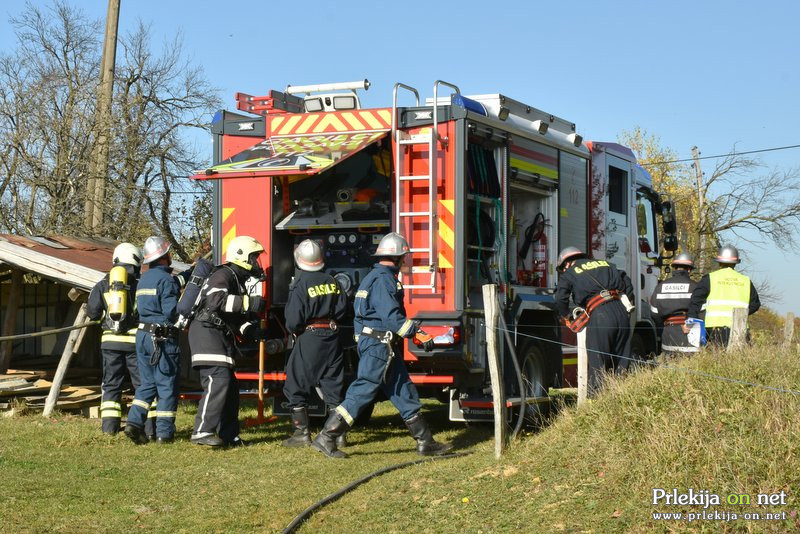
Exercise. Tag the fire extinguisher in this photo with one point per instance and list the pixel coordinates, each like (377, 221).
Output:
(540, 261)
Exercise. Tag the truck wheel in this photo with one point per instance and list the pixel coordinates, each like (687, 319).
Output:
(639, 350)
(534, 378)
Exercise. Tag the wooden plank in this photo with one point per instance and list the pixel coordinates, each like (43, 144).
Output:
(66, 356)
(492, 312)
(10, 323)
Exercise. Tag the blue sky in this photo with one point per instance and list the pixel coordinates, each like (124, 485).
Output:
(711, 74)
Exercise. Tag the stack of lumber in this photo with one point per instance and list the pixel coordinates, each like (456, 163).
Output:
(30, 389)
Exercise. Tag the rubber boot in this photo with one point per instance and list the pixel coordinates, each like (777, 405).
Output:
(426, 445)
(302, 435)
(136, 434)
(341, 441)
(325, 442)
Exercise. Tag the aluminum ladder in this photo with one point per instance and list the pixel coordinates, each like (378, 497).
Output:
(404, 143)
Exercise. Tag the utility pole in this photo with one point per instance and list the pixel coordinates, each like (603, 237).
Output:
(701, 212)
(95, 188)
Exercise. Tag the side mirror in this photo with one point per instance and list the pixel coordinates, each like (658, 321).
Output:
(671, 241)
(667, 208)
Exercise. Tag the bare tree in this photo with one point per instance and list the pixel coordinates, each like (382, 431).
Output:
(48, 88)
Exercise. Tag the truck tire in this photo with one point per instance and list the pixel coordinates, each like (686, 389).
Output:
(534, 369)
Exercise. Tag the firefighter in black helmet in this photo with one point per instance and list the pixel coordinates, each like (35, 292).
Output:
(670, 302)
(599, 289)
(315, 305)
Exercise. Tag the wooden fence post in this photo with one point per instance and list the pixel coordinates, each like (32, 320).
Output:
(788, 330)
(491, 312)
(583, 367)
(66, 356)
(738, 336)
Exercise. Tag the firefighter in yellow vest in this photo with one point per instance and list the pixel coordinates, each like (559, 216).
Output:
(719, 293)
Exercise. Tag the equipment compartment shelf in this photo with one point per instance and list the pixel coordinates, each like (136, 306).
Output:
(326, 220)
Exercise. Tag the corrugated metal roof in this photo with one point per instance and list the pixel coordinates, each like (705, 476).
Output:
(77, 262)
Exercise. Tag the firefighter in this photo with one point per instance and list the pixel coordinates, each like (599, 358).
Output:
(718, 293)
(225, 311)
(112, 299)
(316, 303)
(599, 290)
(670, 301)
(157, 350)
(380, 319)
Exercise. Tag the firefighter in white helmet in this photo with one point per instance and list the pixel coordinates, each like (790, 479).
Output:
(598, 288)
(112, 300)
(670, 302)
(157, 346)
(313, 310)
(718, 293)
(380, 319)
(225, 311)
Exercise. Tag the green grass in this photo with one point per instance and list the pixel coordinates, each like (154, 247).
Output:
(592, 469)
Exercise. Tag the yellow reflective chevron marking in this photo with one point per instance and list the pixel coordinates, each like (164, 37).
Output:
(226, 212)
(371, 120)
(228, 236)
(303, 128)
(290, 124)
(353, 121)
(446, 233)
(444, 263)
(332, 121)
(276, 122)
(449, 205)
(386, 115)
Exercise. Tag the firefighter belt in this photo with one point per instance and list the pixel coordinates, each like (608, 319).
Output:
(580, 316)
(676, 319)
(322, 324)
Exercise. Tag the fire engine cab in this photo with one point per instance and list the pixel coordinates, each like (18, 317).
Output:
(486, 189)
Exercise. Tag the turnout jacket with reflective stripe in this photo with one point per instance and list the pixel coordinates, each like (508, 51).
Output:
(587, 278)
(157, 296)
(718, 293)
(379, 303)
(97, 307)
(224, 296)
(313, 295)
(672, 296)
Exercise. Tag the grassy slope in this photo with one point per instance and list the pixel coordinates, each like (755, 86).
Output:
(593, 469)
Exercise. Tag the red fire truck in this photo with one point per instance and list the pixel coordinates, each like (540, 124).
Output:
(486, 189)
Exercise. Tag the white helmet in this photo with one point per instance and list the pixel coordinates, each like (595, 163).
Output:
(392, 245)
(239, 250)
(155, 247)
(128, 254)
(684, 259)
(728, 254)
(567, 254)
(308, 256)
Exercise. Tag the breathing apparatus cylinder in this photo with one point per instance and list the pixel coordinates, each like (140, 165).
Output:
(117, 296)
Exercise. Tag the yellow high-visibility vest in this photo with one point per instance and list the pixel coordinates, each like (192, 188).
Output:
(729, 290)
